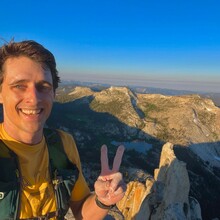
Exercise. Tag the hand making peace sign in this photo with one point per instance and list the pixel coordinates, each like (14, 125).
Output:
(110, 187)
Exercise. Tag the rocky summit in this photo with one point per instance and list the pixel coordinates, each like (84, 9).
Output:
(180, 180)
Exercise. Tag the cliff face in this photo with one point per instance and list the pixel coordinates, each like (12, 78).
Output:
(166, 196)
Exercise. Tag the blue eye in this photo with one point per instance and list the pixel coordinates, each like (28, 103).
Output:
(44, 88)
(20, 86)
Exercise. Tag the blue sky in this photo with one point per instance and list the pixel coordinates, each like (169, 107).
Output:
(167, 44)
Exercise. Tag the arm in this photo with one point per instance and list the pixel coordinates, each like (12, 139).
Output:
(87, 209)
(109, 189)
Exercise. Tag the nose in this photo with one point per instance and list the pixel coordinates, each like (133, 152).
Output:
(33, 95)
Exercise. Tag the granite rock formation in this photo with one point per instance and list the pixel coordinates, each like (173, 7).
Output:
(165, 197)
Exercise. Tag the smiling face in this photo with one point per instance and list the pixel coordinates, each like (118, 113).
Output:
(27, 96)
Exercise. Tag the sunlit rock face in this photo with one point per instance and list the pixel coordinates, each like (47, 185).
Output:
(164, 197)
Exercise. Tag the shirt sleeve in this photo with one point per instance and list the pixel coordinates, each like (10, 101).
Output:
(81, 189)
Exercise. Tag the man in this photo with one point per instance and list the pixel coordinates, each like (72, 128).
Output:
(28, 80)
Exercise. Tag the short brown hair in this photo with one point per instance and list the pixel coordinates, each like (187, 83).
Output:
(32, 50)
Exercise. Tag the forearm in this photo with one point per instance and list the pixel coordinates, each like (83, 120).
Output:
(88, 210)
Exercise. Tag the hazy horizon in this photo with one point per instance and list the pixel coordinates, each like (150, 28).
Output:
(162, 84)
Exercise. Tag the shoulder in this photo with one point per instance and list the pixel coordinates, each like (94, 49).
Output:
(65, 136)
(69, 145)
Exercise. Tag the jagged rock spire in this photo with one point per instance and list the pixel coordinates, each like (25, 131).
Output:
(165, 197)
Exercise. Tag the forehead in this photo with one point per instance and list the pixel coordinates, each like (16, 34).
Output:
(24, 67)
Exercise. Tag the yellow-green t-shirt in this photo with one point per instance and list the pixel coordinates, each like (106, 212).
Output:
(37, 195)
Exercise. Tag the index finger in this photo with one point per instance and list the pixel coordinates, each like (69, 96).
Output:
(118, 158)
(104, 161)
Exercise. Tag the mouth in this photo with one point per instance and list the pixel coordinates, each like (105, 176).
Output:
(30, 112)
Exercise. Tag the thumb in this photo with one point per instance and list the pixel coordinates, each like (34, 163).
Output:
(101, 187)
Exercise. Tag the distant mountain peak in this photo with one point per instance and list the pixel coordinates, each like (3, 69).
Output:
(81, 90)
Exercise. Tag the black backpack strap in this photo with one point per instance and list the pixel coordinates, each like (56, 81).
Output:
(57, 155)
(9, 183)
(5, 152)
(63, 172)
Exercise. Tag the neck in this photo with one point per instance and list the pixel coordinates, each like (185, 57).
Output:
(26, 137)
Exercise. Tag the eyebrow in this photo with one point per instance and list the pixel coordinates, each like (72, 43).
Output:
(18, 81)
(25, 81)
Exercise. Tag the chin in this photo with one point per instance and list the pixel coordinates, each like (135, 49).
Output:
(34, 129)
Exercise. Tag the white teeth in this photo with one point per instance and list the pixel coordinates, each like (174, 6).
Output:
(31, 111)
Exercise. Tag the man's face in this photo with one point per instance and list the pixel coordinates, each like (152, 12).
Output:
(27, 96)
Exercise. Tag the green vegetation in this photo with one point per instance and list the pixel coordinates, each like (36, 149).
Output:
(136, 159)
(148, 107)
(206, 117)
(112, 107)
(163, 135)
